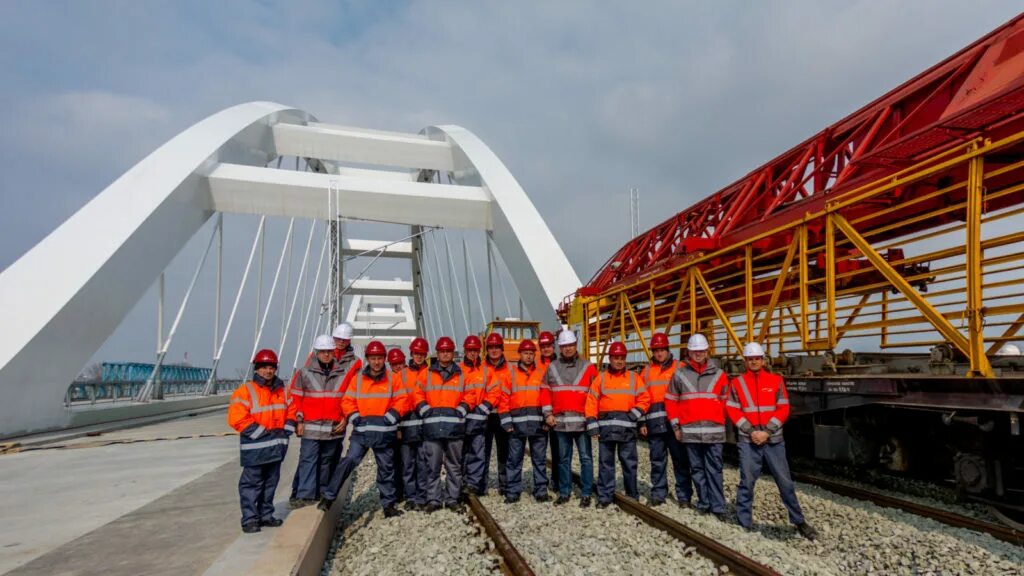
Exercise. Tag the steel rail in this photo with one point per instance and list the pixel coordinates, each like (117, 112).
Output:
(707, 547)
(512, 561)
(1003, 533)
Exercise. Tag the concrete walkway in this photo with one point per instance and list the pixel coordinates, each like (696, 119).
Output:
(152, 507)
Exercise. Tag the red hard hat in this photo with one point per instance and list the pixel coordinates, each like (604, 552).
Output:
(376, 348)
(396, 356)
(445, 344)
(419, 346)
(527, 346)
(495, 339)
(546, 338)
(659, 340)
(472, 342)
(617, 349)
(265, 356)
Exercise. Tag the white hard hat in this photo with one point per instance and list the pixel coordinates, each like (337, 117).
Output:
(697, 342)
(323, 342)
(1009, 350)
(343, 331)
(752, 349)
(566, 337)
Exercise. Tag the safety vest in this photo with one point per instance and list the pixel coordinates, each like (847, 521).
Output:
(410, 425)
(441, 403)
(525, 402)
(261, 414)
(658, 377)
(614, 405)
(695, 402)
(758, 401)
(569, 382)
(495, 380)
(317, 396)
(374, 407)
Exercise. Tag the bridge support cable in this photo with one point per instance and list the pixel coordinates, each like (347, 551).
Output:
(476, 285)
(273, 289)
(501, 281)
(440, 280)
(458, 291)
(154, 376)
(434, 320)
(287, 283)
(286, 322)
(219, 283)
(312, 297)
(211, 382)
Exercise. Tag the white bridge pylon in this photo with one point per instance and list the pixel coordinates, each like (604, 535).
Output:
(67, 295)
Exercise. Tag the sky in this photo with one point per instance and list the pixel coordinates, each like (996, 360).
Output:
(581, 100)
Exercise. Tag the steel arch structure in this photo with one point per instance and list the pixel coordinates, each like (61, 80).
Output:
(219, 165)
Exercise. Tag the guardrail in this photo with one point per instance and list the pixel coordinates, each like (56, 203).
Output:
(82, 393)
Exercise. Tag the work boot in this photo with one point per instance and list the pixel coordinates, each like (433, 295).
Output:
(430, 508)
(656, 502)
(561, 500)
(271, 522)
(684, 504)
(511, 498)
(325, 504)
(807, 531)
(603, 505)
(392, 511)
(411, 506)
(457, 507)
(542, 498)
(250, 528)
(585, 502)
(720, 516)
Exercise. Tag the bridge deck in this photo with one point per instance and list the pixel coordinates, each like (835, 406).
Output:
(149, 507)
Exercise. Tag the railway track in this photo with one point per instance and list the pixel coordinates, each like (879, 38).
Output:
(513, 563)
(1003, 533)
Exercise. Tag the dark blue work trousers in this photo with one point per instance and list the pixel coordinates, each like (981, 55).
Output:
(412, 479)
(663, 446)
(385, 457)
(317, 460)
(496, 433)
(256, 489)
(565, 441)
(606, 469)
(474, 463)
(706, 470)
(538, 457)
(752, 458)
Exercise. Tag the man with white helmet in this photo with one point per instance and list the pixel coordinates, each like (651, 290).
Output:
(316, 393)
(758, 405)
(695, 402)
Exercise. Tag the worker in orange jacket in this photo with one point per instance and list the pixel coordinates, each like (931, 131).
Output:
(758, 405)
(617, 400)
(695, 402)
(412, 473)
(660, 437)
(496, 375)
(374, 403)
(400, 376)
(260, 414)
(441, 400)
(546, 349)
(485, 401)
(525, 413)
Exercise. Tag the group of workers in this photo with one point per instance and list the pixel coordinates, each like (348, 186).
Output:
(419, 417)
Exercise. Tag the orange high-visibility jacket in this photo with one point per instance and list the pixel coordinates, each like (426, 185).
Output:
(411, 424)
(316, 394)
(495, 379)
(696, 402)
(263, 419)
(374, 404)
(658, 377)
(526, 400)
(441, 401)
(758, 401)
(616, 402)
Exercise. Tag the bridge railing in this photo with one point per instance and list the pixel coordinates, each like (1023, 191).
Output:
(94, 392)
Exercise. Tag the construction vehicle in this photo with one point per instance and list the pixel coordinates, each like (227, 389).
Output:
(513, 331)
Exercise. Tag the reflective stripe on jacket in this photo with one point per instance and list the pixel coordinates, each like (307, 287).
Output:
(317, 395)
(758, 401)
(476, 396)
(695, 402)
(657, 377)
(495, 378)
(411, 424)
(614, 405)
(440, 401)
(263, 419)
(570, 380)
(374, 405)
(525, 402)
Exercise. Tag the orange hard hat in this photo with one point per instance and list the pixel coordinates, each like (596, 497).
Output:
(472, 342)
(445, 344)
(419, 346)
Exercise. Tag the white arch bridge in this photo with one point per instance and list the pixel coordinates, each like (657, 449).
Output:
(68, 294)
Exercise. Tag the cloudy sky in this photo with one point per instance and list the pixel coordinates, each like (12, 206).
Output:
(581, 100)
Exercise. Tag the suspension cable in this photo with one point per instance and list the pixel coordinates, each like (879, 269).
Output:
(298, 287)
(444, 290)
(312, 296)
(476, 286)
(451, 268)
